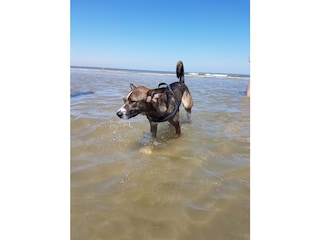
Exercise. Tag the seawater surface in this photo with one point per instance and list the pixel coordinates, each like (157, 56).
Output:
(193, 187)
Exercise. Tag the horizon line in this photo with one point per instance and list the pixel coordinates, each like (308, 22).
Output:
(148, 70)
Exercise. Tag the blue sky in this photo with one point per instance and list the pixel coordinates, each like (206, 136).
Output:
(207, 35)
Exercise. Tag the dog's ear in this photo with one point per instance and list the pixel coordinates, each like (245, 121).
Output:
(154, 97)
(132, 86)
(149, 98)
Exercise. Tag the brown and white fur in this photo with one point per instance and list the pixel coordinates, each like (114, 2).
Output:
(160, 104)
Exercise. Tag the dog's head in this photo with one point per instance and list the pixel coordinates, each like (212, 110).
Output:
(141, 100)
(134, 103)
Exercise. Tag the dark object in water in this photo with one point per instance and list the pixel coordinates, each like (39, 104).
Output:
(81, 93)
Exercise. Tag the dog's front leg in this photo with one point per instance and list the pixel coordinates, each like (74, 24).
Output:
(148, 148)
(153, 130)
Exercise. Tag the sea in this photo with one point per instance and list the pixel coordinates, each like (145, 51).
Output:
(196, 186)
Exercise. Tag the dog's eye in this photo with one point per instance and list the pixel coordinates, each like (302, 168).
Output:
(133, 103)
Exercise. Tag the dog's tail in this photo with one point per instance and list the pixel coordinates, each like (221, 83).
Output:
(180, 71)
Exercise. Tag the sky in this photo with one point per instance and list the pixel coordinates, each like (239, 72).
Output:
(207, 35)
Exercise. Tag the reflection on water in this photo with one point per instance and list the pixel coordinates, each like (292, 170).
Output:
(193, 187)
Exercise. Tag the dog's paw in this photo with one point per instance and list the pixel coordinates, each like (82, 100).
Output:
(146, 150)
(177, 135)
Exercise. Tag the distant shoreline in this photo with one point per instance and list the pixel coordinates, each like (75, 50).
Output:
(193, 74)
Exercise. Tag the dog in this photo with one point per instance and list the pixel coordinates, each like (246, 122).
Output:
(160, 104)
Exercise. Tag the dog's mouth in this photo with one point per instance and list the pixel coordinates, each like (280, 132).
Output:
(124, 114)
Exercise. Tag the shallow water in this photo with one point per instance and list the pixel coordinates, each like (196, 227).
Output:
(193, 187)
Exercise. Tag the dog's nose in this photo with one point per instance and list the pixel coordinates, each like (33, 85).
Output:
(119, 113)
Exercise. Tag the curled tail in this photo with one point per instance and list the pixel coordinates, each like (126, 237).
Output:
(180, 71)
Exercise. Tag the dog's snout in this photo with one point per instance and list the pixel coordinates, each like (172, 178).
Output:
(119, 114)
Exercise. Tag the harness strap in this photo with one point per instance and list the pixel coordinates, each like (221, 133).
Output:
(175, 110)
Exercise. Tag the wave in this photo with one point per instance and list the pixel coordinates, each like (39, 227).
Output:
(218, 75)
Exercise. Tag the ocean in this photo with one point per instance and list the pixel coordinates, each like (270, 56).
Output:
(193, 187)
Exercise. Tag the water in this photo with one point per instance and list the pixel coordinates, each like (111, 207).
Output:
(193, 187)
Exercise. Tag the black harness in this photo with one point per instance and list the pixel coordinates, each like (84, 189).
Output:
(175, 110)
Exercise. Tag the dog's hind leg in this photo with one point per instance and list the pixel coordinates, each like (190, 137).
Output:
(187, 103)
(188, 114)
(175, 121)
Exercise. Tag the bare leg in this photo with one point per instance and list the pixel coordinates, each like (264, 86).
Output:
(248, 90)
